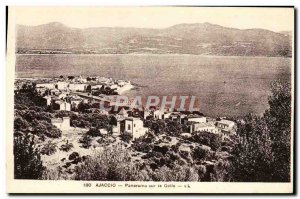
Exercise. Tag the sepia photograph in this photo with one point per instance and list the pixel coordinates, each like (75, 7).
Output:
(150, 99)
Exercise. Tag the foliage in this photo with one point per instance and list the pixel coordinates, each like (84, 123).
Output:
(93, 132)
(66, 147)
(278, 121)
(178, 173)
(27, 159)
(86, 141)
(206, 138)
(262, 153)
(126, 137)
(49, 148)
(111, 164)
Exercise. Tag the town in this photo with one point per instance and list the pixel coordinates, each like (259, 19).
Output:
(70, 116)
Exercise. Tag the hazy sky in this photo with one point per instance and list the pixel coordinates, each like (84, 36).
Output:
(276, 19)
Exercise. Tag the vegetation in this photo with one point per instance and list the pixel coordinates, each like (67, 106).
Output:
(49, 148)
(66, 147)
(27, 159)
(260, 152)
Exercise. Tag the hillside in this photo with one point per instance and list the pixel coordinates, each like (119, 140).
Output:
(198, 38)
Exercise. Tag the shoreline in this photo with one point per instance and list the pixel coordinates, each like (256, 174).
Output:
(153, 54)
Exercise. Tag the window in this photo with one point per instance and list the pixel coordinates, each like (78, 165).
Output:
(134, 125)
(128, 127)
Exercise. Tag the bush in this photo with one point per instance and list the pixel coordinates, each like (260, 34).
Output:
(201, 153)
(176, 174)
(66, 147)
(126, 137)
(94, 132)
(112, 164)
(49, 148)
(86, 141)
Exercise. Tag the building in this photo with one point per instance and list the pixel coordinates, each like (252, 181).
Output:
(133, 126)
(62, 85)
(62, 105)
(208, 127)
(61, 123)
(194, 118)
(78, 87)
(47, 100)
(226, 126)
(45, 85)
(147, 113)
(158, 114)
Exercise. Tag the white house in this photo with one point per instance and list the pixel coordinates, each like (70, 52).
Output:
(62, 105)
(195, 118)
(62, 124)
(133, 126)
(45, 85)
(208, 127)
(62, 85)
(226, 126)
(77, 87)
(147, 113)
(223, 124)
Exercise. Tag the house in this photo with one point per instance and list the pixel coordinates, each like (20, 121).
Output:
(62, 105)
(178, 117)
(158, 114)
(133, 126)
(194, 118)
(226, 126)
(45, 85)
(62, 85)
(62, 95)
(208, 127)
(61, 123)
(78, 87)
(47, 100)
(54, 91)
(75, 102)
(103, 132)
(147, 113)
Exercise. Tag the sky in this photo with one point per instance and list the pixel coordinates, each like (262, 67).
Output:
(275, 19)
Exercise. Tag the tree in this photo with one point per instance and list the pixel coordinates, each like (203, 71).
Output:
(278, 122)
(27, 159)
(262, 152)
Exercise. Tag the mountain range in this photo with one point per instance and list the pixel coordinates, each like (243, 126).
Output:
(196, 38)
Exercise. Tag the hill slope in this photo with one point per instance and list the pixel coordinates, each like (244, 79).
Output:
(199, 38)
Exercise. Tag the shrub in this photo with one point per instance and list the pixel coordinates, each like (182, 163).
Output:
(66, 147)
(94, 132)
(111, 164)
(49, 148)
(126, 137)
(86, 141)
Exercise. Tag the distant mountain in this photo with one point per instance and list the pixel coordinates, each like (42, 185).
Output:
(198, 38)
